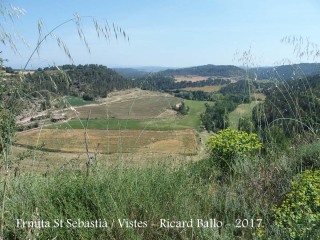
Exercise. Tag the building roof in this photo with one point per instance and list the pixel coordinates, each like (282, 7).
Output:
(58, 116)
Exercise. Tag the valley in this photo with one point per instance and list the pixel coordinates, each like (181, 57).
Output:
(134, 121)
(217, 137)
(153, 120)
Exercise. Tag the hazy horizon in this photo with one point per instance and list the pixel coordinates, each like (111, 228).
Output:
(171, 34)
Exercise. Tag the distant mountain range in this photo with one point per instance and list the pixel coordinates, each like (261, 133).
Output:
(205, 70)
(283, 72)
(153, 68)
(208, 71)
(130, 72)
(137, 72)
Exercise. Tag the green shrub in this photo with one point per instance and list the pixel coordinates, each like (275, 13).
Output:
(228, 144)
(245, 124)
(308, 156)
(87, 97)
(298, 217)
(275, 138)
(203, 171)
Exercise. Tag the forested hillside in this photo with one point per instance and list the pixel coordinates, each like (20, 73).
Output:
(130, 72)
(160, 81)
(208, 70)
(286, 72)
(92, 80)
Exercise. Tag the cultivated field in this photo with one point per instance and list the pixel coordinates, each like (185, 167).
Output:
(129, 104)
(74, 101)
(204, 89)
(243, 110)
(140, 108)
(137, 125)
(165, 121)
(190, 78)
(111, 141)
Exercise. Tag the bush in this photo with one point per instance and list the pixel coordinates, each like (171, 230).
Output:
(308, 156)
(203, 171)
(275, 138)
(87, 97)
(228, 144)
(298, 216)
(183, 109)
(245, 124)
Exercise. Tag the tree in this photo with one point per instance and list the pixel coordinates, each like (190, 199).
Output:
(183, 109)
(215, 117)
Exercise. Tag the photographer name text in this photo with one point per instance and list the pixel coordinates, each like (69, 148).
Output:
(127, 223)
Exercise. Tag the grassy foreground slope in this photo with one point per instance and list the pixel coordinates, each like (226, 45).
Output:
(138, 199)
(130, 203)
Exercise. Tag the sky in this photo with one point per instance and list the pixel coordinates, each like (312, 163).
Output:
(168, 33)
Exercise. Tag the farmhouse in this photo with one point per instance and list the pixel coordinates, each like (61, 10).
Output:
(58, 117)
(178, 106)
